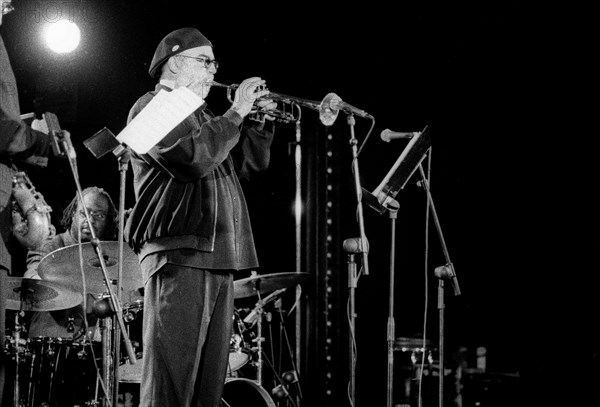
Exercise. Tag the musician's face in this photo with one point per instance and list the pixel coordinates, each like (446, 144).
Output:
(195, 67)
(98, 208)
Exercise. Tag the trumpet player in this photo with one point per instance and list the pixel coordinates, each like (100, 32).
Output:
(190, 226)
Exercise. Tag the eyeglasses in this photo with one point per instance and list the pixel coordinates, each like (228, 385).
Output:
(206, 61)
(94, 214)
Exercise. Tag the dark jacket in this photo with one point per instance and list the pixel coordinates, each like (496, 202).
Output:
(175, 183)
(17, 142)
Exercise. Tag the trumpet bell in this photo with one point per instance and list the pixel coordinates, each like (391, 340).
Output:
(327, 114)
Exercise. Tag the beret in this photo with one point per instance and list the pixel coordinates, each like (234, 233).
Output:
(175, 43)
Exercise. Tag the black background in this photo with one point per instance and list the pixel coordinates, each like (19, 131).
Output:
(503, 88)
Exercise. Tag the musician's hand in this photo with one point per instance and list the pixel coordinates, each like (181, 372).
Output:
(247, 93)
(266, 106)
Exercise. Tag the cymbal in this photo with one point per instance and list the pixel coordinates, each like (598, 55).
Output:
(265, 284)
(39, 295)
(63, 266)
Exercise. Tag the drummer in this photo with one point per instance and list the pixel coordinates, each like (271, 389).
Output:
(69, 323)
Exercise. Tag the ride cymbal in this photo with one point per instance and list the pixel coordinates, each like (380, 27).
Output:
(63, 266)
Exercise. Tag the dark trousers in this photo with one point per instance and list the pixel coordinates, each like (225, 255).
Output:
(188, 318)
(3, 357)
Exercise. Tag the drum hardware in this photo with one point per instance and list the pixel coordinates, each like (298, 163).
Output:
(258, 284)
(46, 368)
(33, 295)
(133, 317)
(255, 319)
(291, 376)
(62, 268)
(17, 341)
(239, 352)
(272, 286)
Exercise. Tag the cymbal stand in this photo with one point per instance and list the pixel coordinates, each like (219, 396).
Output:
(17, 339)
(258, 341)
(279, 390)
(123, 160)
(277, 306)
(106, 327)
(256, 315)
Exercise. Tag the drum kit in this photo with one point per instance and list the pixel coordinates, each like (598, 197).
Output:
(43, 367)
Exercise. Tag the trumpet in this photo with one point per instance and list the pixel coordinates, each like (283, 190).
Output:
(291, 105)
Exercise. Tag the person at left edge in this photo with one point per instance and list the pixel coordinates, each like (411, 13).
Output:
(18, 142)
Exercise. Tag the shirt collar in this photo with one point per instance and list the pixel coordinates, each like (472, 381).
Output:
(167, 83)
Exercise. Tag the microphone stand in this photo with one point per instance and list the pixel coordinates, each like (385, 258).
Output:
(123, 161)
(116, 305)
(352, 281)
(391, 325)
(445, 272)
(392, 206)
(358, 188)
(352, 246)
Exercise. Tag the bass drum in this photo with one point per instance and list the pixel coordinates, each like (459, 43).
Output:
(241, 392)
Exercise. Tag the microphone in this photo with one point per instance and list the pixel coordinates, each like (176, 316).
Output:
(387, 135)
(354, 245)
(334, 102)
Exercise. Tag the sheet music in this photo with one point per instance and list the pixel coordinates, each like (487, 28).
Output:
(165, 111)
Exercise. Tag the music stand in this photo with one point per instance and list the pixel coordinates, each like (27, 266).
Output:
(382, 199)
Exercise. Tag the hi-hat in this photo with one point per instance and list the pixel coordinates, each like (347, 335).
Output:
(266, 284)
(63, 266)
(28, 294)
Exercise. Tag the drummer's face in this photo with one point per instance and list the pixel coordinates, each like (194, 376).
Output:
(97, 207)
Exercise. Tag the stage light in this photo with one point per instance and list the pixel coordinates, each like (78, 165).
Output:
(63, 36)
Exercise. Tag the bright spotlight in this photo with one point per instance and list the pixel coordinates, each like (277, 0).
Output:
(62, 36)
